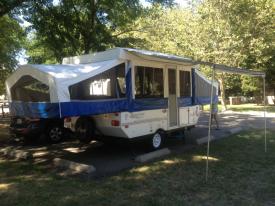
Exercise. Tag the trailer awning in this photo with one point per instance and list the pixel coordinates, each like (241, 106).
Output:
(232, 70)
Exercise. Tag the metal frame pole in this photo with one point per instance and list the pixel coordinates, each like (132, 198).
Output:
(209, 123)
(265, 140)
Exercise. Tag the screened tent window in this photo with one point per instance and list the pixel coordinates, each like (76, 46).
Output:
(107, 85)
(185, 84)
(29, 89)
(148, 82)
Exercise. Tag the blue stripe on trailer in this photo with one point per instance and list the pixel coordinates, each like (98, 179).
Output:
(34, 109)
(148, 104)
(193, 86)
(184, 101)
(206, 100)
(129, 94)
(78, 108)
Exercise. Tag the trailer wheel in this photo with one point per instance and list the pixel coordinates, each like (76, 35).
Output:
(55, 133)
(157, 140)
(84, 130)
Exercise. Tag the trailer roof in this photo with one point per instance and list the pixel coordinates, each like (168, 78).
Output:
(162, 56)
(121, 53)
(218, 67)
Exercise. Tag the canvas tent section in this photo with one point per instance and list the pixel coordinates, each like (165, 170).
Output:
(29, 89)
(37, 90)
(202, 89)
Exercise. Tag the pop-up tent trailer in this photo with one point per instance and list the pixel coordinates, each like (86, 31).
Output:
(47, 91)
(121, 92)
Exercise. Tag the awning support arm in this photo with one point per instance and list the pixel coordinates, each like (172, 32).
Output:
(265, 140)
(209, 123)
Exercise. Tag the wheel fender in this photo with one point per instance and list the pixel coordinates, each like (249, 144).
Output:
(85, 119)
(162, 132)
(49, 123)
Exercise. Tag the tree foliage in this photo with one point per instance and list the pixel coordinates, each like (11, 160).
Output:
(237, 33)
(82, 26)
(6, 6)
(11, 38)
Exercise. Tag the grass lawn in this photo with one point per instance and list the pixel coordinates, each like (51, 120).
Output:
(251, 107)
(240, 174)
(245, 108)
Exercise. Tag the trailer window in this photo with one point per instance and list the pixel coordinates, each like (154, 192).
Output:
(185, 84)
(148, 82)
(107, 85)
(29, 89)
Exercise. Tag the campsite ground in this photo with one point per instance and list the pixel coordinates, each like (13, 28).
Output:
(240, 172)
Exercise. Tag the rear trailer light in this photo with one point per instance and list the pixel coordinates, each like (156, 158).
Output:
(115, 123)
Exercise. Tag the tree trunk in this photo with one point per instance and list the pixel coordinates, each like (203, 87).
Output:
(88, 31)
(223, 101)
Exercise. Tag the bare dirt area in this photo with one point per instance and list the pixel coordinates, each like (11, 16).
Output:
(4, 133)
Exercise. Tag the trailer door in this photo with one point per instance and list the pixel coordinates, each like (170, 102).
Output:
(172, 98)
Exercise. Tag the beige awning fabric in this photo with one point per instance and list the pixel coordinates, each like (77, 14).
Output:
(232, 70)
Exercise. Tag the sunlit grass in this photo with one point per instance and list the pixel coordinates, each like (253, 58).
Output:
(4, 186)
(240, 173)
(244, 107)
(251, 107)
(197, 158)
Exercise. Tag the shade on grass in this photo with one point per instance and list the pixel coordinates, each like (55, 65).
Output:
(240, 174)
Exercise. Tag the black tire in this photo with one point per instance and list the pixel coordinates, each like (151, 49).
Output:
(157, 140)
(84, 130)
(55, 133)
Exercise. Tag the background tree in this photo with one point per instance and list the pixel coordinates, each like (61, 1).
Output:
(82, 26)
(11, 40)
(6, 6)
(64, 29)
(235, 33)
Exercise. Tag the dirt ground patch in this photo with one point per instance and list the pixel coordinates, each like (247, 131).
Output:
(4, 133)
